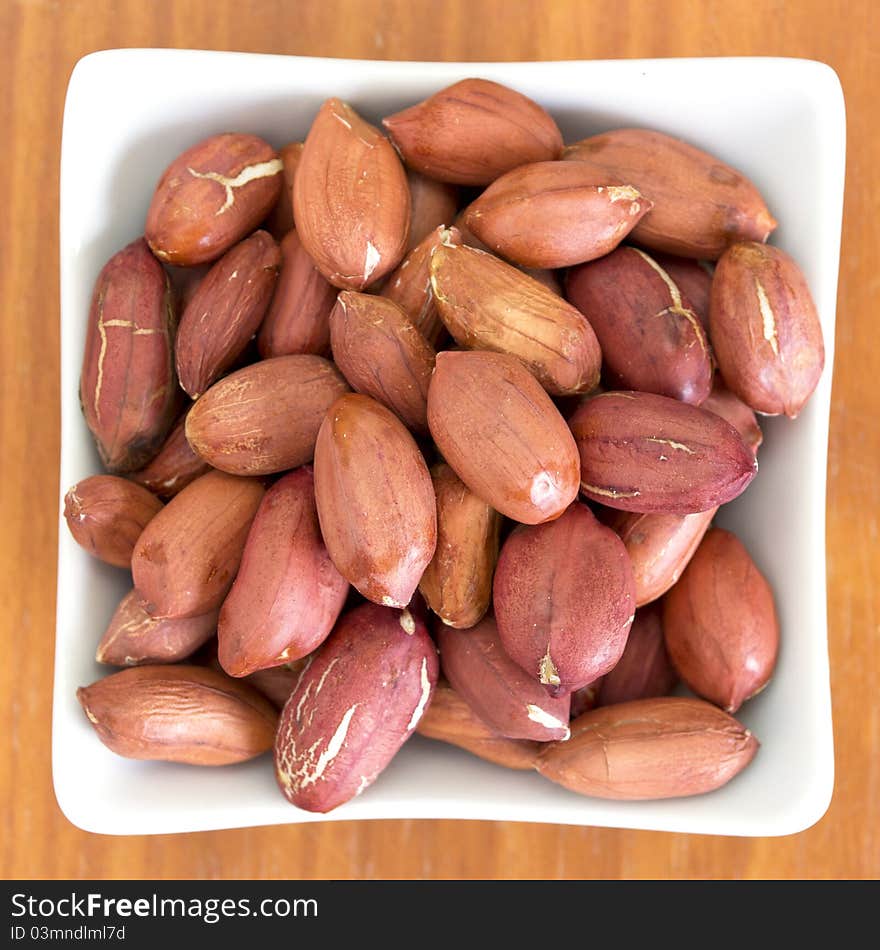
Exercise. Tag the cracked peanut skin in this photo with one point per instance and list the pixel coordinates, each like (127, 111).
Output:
(502, 435)
(357, 701)
(264, 418)
(765, 329)
(382, 354)
(666, 747)
(106, 515)
(720, 623)
(128, 388)
(187, 714)
(287, 594)
(450, 719)
(133, 637)
(473, 131)
(225, 311)
(564, 599)
(490, 305)
(211, 196)
(187, 557)
(512, 703)
(553, 215)
(648, 453)
(457, 584)
(651, 337)
(351, 199)
(701, 205)
(375, 500)
(694, 280)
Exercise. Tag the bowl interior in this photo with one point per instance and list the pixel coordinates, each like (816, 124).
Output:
(779, 121)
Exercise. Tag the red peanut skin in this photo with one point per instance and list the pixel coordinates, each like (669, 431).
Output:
(542, 275)
(724, 403)
(355, 705)
(128, 390)
(375, 500)
(546, 277)
(351, 199)
(650, 335)
(643, 670)
(133, 637)
(265, 418)
(410, 285)
(106, 515)
(433, 203)
(473, 131)
(195, 219)
(280, 219)
(457, 584)
(659, 546)
(467, 236)
(722, 632)
(450, 719)
(186, 714)
(765, 329)
(502, 435)
(649, 453)
(564, 599)
(186, 559)
(185, 282)
(552, 214)
(225, 311)
(586, 698)
(297, 320)
(505, 697)
(287, 594)
(174, 467)
(277, 682)
(694, 279)
(701, 205)
(382, 355)
(487, 304)
(666, 747)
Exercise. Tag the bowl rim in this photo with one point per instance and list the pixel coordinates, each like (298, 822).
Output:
(821, 83)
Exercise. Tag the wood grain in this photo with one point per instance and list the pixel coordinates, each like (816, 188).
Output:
(40, 40)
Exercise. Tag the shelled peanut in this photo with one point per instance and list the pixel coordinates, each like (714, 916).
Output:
(383, 408)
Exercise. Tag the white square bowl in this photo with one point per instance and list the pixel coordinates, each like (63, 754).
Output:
(781, 121)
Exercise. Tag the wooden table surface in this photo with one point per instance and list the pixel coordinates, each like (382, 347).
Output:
(40, 40)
